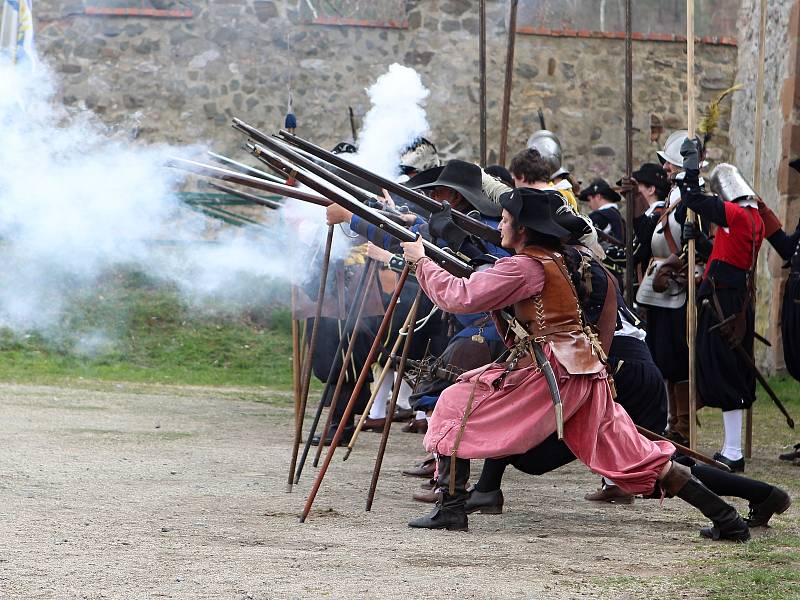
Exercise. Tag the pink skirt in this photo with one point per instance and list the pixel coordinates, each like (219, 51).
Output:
(519, 415)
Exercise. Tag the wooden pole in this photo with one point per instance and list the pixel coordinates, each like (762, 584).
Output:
(691, 305)
(628, 152)
(512, 37)
(759, 132)
(401, 369)
(362, 378)
(359, 296)
(356, 326)
(482, 75)
(312, 344)
(295, 358)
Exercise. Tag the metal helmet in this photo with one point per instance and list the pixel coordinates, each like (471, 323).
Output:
(727, 182)
(561, 172)
(419, 156)
(672, 148)
(547, 145)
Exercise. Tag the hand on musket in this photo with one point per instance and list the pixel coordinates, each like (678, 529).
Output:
(378, 253)
(336, 214)
(413, 251)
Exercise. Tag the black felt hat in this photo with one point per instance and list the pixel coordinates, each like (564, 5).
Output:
(652, 174)
(465, 178)
(600, 186)
(532, 208)
(424, 177)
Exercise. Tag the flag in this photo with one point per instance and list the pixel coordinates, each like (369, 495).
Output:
(16, 31)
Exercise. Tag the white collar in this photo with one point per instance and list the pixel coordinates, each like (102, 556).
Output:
(653, 207)
(609, 205)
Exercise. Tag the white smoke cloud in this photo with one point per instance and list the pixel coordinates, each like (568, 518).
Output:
(78, 198)
(397, 118)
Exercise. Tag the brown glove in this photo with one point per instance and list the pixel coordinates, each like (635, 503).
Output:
(771, 222)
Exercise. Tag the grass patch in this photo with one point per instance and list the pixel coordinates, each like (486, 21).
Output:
(763, 569)
(130, 328)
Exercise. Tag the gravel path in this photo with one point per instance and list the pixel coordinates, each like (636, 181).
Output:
(130, 491)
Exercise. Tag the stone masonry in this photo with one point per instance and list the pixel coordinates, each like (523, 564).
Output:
(183, 79)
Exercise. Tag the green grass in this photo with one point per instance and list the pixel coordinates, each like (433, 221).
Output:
(763, 569)
(130, 328)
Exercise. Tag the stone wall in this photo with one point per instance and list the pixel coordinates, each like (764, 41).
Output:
(778, 185)
(181, 80)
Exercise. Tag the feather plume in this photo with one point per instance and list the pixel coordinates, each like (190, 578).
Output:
(708, 123)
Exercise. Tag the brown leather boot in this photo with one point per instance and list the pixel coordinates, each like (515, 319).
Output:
(611, 494)
(682, 412)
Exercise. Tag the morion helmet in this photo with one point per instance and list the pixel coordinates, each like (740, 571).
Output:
(672, 148)
(548, 146)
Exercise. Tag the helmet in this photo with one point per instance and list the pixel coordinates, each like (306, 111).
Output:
(546, 143)
(419, 156)
(727, 182)
(561, 172)
(672, 148)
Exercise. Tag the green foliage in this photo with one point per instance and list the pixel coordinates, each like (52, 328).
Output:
(129, 327)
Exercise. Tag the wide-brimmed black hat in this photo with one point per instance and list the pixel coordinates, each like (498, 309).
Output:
(652, 174)
(465, 178)
(600, 186)
(424, 177)
(532, 208)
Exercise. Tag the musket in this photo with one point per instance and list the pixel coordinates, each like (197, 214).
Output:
(247, 181)
(748, 360)
(544, 364)
(654, 437)
(243, 168)
(280, 164)
(467, 223)
(442, 258)
(244, 195)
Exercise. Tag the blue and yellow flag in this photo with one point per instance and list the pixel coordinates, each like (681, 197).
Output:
(16, 31)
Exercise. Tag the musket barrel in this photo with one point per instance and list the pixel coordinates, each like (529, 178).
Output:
(246, 169)
(297, 166)
(466, 222)
(247, 181)
(244, 195)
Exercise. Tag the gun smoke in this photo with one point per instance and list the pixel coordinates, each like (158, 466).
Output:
(78, 198)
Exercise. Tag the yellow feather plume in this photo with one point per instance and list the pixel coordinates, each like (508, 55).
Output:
(710, 120)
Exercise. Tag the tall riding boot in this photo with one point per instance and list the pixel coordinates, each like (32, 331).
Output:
(449, 511)
(682, 412)
(672, 412)
(726, 522)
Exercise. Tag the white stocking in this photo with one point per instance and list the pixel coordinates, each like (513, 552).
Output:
(732, 419)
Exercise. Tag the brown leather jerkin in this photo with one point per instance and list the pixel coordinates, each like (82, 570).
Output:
(554, 316)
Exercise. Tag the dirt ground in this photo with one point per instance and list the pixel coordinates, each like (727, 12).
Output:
(130, 491)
